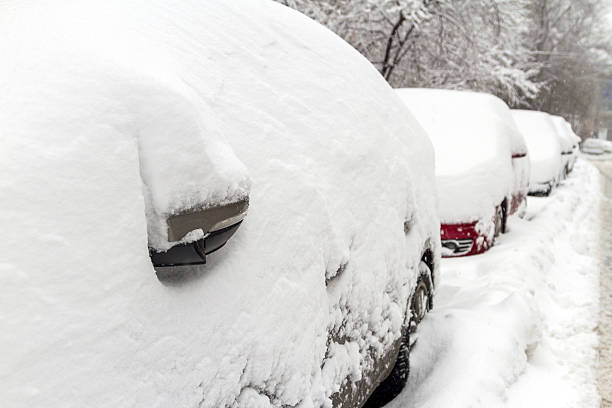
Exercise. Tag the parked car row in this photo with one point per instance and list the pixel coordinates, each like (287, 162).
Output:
(488, 158)
(135, 139)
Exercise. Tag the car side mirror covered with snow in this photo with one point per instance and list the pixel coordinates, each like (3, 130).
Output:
(196, 190)
(218, 223)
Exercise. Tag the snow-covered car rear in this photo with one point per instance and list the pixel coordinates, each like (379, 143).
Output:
(547, 164)
(575, 144)
(482, 164)
(124, 125)
(567, 143)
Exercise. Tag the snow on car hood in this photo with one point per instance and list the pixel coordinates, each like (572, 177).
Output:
(114, 113)
(473, 138)
(543, 144)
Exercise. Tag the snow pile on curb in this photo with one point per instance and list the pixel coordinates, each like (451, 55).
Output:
(515, 327)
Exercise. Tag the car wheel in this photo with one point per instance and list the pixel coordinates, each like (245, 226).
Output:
(420, 304)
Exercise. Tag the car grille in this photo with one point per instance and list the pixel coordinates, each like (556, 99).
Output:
(456, 247)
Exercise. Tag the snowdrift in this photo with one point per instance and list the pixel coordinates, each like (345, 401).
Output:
(517, 326)
(116, 113)
(473, 136)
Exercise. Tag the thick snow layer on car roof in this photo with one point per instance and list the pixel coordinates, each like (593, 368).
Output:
(112, 109)
(473, 137)
(114, 73)
(543, 144)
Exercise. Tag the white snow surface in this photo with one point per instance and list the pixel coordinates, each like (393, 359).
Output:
(516, 327)
(474, 136)
(543, 144)
(111, 111)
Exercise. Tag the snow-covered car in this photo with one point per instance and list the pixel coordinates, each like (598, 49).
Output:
(119, 116)
(544, 147)
(575, 146)
(568, 144)
(482, 166)
(596, 146)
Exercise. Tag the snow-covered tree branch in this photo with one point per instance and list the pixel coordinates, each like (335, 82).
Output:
(545, 54)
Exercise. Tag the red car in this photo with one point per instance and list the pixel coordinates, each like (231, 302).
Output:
(482, 165)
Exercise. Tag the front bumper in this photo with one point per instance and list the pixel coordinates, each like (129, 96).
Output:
(462, 240)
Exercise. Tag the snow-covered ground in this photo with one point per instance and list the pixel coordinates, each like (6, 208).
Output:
(516, 327)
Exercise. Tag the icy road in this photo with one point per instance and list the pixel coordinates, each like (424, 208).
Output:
(517, 326)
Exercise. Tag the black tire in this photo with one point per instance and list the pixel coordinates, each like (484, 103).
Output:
(396, 381)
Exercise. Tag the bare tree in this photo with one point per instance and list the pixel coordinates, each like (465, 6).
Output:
(572, 43)
(478, 45)
(382, 30)
(465, 44)
(546, 54)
